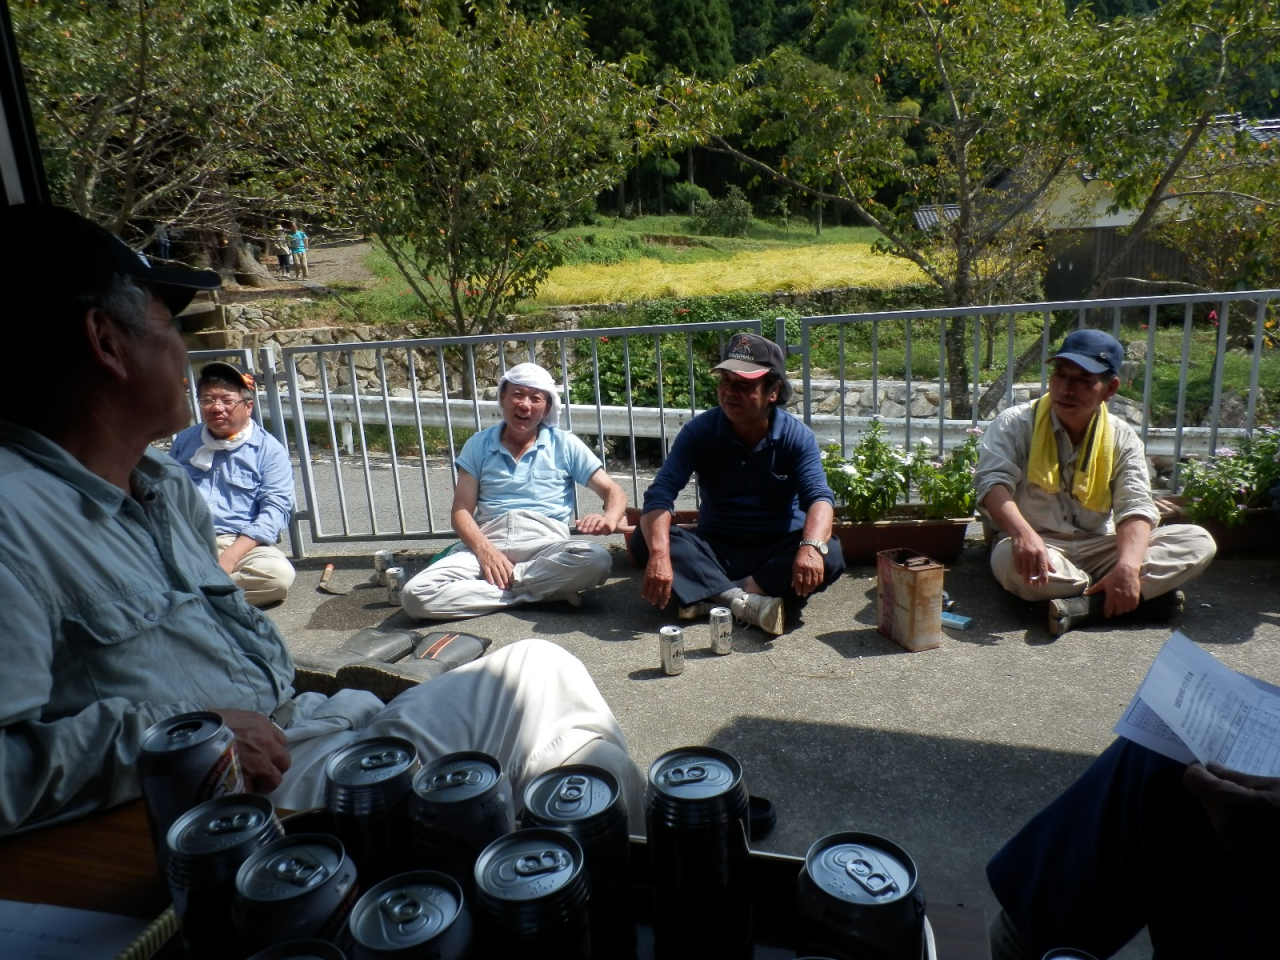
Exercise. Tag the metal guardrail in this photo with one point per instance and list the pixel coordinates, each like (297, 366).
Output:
(426, 394)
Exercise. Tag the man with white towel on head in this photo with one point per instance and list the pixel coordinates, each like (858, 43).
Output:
(511, 510)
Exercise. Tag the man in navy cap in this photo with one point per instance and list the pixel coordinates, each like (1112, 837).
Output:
(763, 542)
(1065, 483)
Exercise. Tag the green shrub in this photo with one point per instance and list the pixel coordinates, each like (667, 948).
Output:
(729, 216)
(680, 195)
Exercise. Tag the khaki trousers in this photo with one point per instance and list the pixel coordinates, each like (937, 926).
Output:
(264, 573)
(1176, 554)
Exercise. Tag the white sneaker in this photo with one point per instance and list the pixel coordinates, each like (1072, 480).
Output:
(759, 611)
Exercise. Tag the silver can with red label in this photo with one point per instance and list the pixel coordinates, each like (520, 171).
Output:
(671, 650)
(721, 628)
(185, 761)
(396, 580)
(294, 888)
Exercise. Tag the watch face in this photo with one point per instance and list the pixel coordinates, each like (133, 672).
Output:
(818, 545)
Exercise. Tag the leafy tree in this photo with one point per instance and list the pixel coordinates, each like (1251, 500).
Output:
(972, 117)
(154, 110)
(461, 150)
(696, 36)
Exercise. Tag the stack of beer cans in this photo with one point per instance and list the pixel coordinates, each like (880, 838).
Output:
(414, 859)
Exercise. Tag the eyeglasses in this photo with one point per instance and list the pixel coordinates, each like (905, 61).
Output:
(213, 403)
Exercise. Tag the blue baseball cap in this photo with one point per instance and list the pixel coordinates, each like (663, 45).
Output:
(1093, 350)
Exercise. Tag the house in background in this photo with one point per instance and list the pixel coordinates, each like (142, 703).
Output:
(1083, 235)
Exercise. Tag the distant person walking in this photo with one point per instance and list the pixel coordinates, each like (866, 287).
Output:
(298, 248)
(279, 246)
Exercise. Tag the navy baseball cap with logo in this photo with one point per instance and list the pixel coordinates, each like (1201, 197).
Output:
(1095, 351)
(55, 249)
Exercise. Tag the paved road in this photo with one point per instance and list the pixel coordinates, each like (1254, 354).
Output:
(945, 751)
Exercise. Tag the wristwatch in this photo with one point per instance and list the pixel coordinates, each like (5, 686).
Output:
(819, 545)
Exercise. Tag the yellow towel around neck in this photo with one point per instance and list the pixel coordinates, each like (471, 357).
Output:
(1092, 483)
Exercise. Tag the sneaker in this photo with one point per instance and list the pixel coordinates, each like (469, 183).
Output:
(695, 610)
(1074, 611)
(759, 611)
(1163, 608)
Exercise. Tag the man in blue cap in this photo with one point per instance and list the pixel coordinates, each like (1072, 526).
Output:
(1066, 485)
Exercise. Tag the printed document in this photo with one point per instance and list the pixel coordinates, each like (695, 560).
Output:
(1192, 707)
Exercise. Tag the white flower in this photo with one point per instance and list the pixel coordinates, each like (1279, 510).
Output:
(926, 442)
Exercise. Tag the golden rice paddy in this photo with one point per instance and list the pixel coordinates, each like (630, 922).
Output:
(793, 269)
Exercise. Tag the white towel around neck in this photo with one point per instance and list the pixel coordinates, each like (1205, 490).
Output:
(202, 459)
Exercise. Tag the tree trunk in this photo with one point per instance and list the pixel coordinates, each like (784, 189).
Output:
(692, 211)
(818, 220)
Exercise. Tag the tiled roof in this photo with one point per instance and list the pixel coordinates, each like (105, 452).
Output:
(935, 215)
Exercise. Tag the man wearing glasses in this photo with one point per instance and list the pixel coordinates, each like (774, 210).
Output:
(244, 477)
(511, 510)
(763, 542)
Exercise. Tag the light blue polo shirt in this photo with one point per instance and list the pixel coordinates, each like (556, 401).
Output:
(543, 480)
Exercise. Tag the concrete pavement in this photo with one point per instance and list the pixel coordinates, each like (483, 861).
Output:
(945, 751)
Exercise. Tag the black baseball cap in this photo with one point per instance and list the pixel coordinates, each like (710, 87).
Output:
(751, 356)
(221, 370)
(1094, 350)
(55, 249)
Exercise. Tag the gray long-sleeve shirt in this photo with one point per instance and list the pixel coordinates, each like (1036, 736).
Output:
(1003, 459)
(116, 615)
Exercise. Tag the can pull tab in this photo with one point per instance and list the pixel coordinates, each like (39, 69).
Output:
(387, 758)
(401, 908)
(687, 774)
(548, 861)
(454, 778)
(870, 874)
(298, 870)
(236, 823)
(572, 789)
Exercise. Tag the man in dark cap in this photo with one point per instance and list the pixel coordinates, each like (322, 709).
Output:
(763, 542)
(245, 478)
(116, 613)
(1065, 483)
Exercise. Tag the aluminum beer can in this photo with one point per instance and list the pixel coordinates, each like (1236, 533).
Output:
(671, 650)
(184, 761)
(367, 787)
(721, 628)
(420, 914)
(698, 821)
(295, 888)
(461, 803)
(383, 560)
(301, 950)
(396, 580)
(207, 845)
(586, 803)
(531, 897)
(859, 895)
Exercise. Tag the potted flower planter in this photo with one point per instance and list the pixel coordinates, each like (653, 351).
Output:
(1257, 536)
(905, 527)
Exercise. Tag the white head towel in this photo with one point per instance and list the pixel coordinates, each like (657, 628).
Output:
(533, 376)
